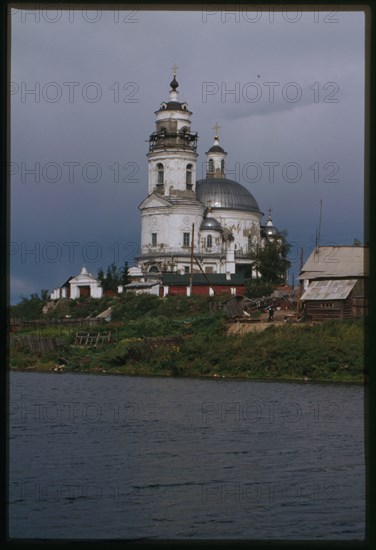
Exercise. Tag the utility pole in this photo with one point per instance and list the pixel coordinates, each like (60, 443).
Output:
(300, 282)
(192, 248)
(204, 274)
(319, 229)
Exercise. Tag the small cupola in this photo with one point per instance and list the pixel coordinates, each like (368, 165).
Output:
(216, 156)
(270, 230)
(173, 104)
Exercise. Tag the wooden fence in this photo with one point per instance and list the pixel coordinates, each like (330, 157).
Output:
(24, 323)
(89, 339)
(35, 343)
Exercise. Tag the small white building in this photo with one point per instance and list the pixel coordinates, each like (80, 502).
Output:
(84, 284)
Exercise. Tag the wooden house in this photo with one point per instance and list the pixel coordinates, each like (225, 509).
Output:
(335, 282)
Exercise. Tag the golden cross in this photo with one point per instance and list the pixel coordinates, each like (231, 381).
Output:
(216, 128)
(174, 68)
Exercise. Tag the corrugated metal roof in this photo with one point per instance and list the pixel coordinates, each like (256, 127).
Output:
(148, 284)
(336, 261)
(329, 290)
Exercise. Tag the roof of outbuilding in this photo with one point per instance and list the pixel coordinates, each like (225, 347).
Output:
(147, 284)
(329, 290)
(336, 262)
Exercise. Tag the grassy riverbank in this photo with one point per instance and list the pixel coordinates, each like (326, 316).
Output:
(179, 336)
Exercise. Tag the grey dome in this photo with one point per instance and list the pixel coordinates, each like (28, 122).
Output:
(211, 223)
(271, 230)
(225, 193)
(216, 149)
(174, 106)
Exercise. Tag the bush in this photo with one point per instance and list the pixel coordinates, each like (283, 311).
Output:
(257, 288)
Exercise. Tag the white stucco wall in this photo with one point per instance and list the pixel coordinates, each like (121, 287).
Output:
(241, 224)
(175, 169)
(169, 223)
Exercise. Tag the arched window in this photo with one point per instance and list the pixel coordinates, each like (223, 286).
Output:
(209, 241)
(211, 165)
(160, 170)
(188, 176)
(222, 165)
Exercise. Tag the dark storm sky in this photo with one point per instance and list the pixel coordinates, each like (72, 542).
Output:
(285, 88)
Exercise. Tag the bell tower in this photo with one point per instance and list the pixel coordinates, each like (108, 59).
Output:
(171, 210)
(216, 158)
(172, 148)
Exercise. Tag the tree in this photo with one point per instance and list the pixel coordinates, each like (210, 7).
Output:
(125, 278)
(100, 275)
(257, 288)
(113, 277)
(271, 260)
(28, 308)
(44, 293)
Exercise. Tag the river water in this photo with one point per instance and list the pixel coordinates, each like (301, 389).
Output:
(113, 457)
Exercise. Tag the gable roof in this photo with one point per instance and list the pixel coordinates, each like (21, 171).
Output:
(83, 278)
(329, 290)
(336, 262)
(154, 201)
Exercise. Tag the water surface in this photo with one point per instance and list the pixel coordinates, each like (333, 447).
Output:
(127, 458)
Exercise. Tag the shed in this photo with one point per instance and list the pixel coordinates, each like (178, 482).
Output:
(335, 280)
(329, 299)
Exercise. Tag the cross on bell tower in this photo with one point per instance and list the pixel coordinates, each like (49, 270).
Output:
(216, 127)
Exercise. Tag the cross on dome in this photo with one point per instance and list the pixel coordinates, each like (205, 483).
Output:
(216, 127)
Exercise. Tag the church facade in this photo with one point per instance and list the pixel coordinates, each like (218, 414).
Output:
(189, 225)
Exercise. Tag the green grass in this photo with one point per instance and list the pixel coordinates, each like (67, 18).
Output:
(330, 351)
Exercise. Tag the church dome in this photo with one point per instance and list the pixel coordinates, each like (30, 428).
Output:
(270, 230)
(225, 193)
(216, 149)
(174, 106)
(210, 223)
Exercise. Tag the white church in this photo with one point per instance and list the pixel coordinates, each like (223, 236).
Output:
(202, 227)
(215, 220)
